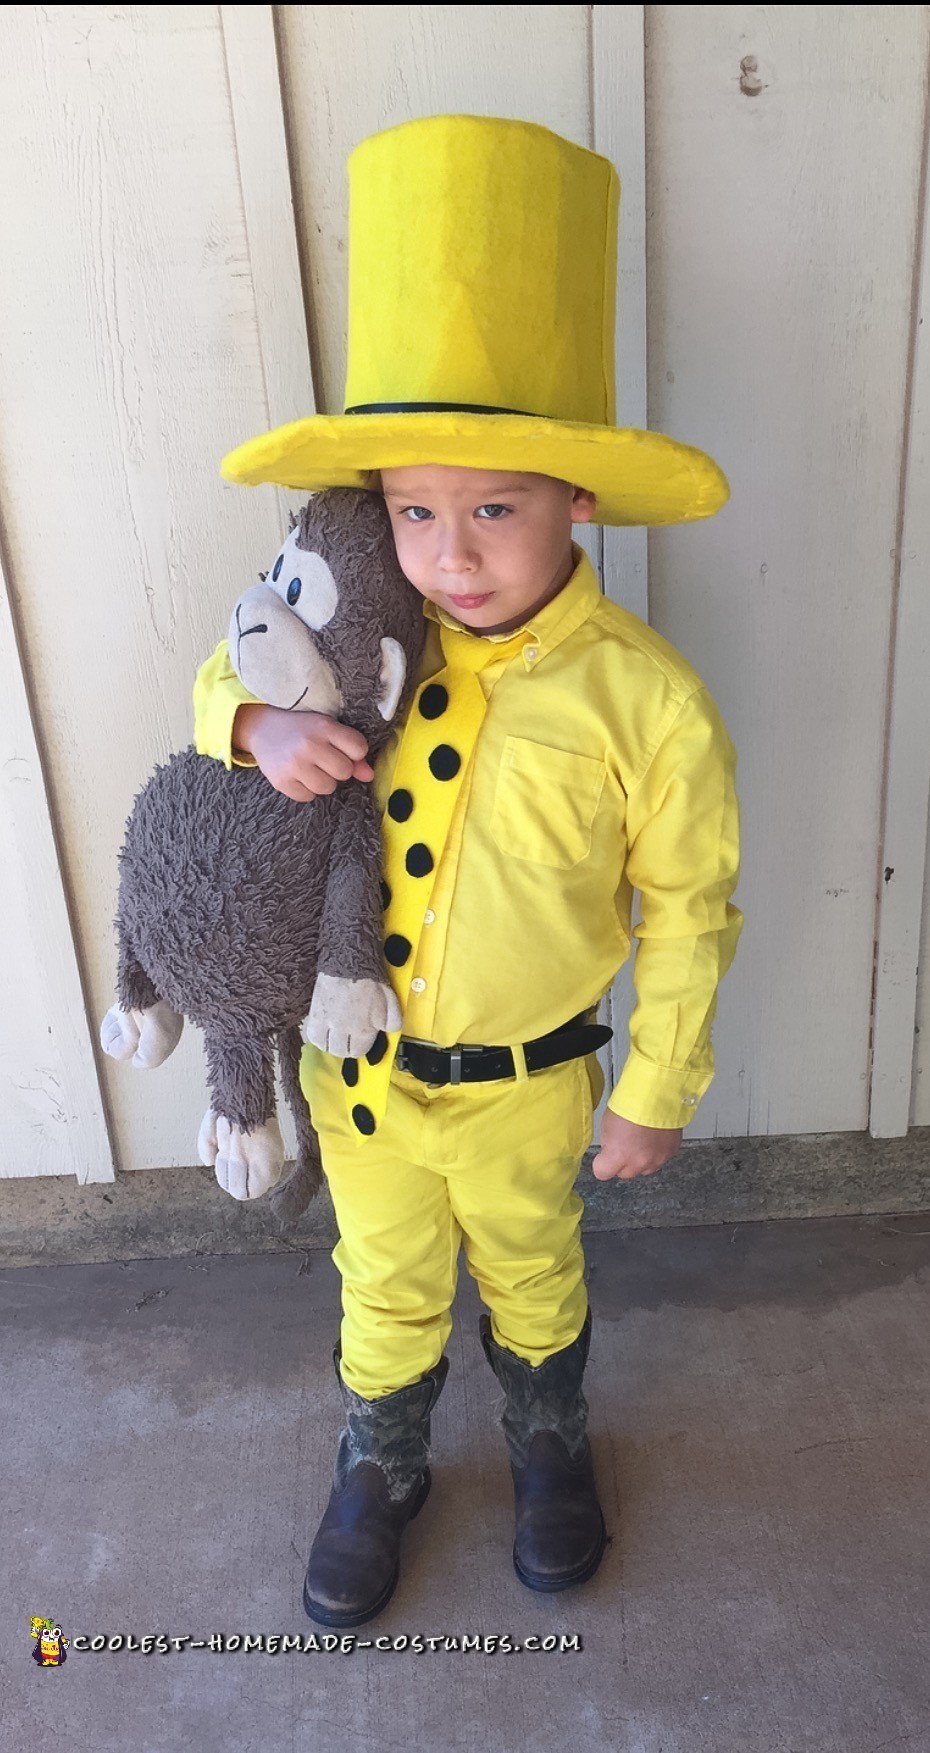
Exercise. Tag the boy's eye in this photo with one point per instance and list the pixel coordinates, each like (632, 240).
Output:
(417, 513)
(494, 512)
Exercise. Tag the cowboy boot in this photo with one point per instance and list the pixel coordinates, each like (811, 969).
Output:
(560, 1533)
(381, 1481)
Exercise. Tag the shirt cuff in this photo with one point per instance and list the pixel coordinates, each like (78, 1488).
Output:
(239, 758)
(214, 715)
(658, 1095)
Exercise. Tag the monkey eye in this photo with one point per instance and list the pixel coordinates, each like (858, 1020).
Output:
(302, 579)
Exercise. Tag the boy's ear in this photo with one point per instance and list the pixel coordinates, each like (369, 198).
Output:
(584, 505)
(393, 676)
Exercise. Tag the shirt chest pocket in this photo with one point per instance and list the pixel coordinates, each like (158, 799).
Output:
(545, 803)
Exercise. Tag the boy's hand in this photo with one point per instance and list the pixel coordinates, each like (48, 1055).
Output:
(302, 754)
(628, 1150)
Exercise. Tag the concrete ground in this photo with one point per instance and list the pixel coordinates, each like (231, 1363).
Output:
(761, 1425)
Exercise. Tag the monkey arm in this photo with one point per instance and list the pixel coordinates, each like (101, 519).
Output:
(352, 1000)
(350, 928)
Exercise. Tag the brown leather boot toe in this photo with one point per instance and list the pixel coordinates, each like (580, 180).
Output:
(380, 1482)
(560, 1533)
(354, 1561)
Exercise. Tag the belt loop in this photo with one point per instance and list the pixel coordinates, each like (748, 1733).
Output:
(519, 1062)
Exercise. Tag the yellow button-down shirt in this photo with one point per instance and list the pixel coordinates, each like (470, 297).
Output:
(602, 765)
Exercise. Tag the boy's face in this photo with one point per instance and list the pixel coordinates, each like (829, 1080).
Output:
(487, 545)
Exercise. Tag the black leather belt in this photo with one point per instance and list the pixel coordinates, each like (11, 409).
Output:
(467, 1064)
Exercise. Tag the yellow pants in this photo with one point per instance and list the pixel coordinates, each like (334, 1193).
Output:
(490, 1166)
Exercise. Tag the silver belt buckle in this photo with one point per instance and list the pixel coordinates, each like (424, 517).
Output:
(400, 1057)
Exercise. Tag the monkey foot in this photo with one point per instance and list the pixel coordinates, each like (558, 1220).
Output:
(247, 1164)
(147, 1037)
(347, 1015)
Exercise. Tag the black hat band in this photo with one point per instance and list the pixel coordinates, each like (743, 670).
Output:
(435, 408)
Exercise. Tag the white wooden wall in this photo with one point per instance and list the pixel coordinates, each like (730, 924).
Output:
(132, 359)
(152, 315)
(920, 1105)
(782, 241)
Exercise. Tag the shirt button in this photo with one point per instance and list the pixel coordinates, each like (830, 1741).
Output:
(689, 1101)
(531, 653)
(428, 916)
(418, 985)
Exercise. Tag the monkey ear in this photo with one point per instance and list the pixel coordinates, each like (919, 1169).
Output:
(393, 676)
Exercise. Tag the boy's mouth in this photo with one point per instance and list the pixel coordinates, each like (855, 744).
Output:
(471, 602)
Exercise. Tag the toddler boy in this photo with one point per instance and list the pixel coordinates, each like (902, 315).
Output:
(558, 753)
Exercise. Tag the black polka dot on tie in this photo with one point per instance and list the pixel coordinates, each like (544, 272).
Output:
(444, 762)
(397, 949)
(433, 701)
(364, 1118)
(385, 895)
(400, 806)
(350, 1072)
(377, 1049)
(419, 860)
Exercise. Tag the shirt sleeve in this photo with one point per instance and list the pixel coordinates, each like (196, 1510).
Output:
(218, 693)
(683, 839)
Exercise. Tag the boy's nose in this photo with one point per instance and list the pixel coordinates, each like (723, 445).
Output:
(455, 557)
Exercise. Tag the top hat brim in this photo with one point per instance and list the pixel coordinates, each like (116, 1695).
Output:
(638, 477)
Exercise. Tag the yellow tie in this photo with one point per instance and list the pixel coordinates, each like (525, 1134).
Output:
(438, 741)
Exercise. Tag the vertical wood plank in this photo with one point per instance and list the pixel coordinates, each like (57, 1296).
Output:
(349, 71)
(268, 205)
(904, 874)
(920, 1094)
(51, 1110)
(618, 130)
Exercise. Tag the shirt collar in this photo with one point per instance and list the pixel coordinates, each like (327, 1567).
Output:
(549, 626)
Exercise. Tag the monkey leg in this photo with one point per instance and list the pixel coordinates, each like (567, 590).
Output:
(140, 1026)
(240, 1138)
(134, 988)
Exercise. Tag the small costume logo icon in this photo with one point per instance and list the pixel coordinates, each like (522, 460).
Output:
(50, 1650)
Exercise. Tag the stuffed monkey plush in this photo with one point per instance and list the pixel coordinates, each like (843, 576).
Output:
(256, 917)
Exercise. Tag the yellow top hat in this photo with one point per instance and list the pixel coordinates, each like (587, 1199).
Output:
(482, 284)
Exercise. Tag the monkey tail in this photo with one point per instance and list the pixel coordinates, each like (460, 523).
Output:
(304, 1182)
